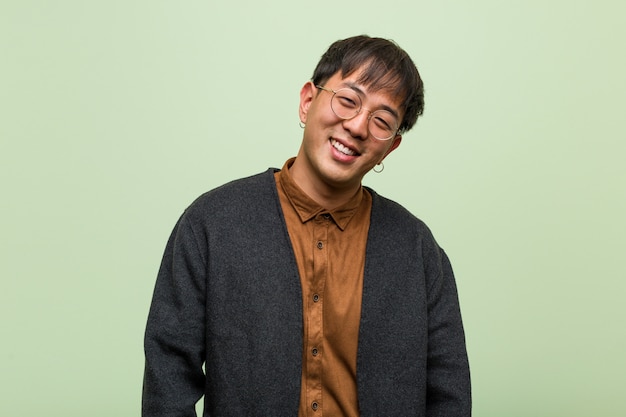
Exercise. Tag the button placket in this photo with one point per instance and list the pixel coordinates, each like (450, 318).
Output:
(316, 311)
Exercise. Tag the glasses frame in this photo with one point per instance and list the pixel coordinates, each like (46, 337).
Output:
(369, 118)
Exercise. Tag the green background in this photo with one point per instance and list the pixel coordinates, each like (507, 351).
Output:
(115, 115)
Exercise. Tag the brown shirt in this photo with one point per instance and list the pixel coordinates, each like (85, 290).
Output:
(330, 252)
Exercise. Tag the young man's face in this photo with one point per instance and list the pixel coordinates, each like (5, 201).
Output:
(337, 153)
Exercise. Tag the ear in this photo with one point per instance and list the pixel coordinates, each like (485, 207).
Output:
(394, 145)
(307, 93)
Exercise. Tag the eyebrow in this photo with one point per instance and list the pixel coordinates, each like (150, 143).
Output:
(358, 90)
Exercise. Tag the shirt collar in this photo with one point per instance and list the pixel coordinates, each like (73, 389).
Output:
(307, 208)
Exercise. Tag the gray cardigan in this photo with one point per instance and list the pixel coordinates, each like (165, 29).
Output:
(228, 295)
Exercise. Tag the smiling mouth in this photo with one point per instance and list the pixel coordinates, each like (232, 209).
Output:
(343, 149)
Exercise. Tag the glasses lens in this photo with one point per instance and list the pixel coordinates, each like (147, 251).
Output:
(346, 103)
(383, 125)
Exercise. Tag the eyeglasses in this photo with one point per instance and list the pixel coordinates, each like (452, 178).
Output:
(346, 104)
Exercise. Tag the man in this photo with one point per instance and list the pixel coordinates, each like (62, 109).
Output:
(302, 292)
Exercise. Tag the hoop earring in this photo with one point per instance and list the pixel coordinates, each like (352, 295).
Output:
(381, 169)
(302, 125)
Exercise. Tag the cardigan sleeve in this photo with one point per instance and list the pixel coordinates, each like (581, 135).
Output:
(175, 333)
(448, 376)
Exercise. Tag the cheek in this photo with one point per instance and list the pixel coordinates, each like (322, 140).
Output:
(381, 148)
(320, 113)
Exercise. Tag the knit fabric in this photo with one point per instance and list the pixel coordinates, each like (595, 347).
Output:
(228, 296)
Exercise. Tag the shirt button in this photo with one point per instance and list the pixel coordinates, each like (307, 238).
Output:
(314, 405)
(320, 245)
(314, 351)
(326, 216)
(316, 298)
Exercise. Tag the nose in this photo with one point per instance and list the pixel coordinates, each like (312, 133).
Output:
(358, 125)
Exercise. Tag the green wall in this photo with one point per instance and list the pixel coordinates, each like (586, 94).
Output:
(115, 115)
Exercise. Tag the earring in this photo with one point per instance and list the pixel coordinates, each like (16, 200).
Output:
(379, 170)
(302, 125)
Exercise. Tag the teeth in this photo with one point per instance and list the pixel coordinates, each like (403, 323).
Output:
(343, 149)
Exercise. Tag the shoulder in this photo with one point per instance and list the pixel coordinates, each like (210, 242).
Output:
(404, 233)
(393, 215)
(253, 193)
(399, 228)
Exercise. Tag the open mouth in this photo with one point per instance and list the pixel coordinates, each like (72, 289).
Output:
(343, 149)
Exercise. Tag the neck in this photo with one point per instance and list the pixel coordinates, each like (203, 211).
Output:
(327, 195)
